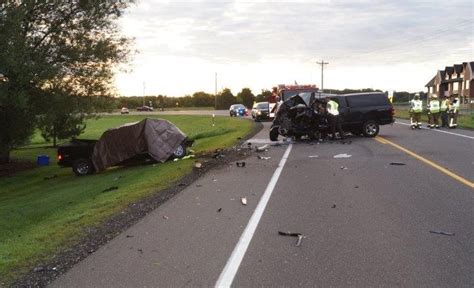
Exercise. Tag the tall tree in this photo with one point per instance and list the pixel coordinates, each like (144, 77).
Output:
(247, 97)
(225, 99)
(72, 46)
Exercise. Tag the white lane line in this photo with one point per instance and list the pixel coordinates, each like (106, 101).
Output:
(227, 275)
(440, 131)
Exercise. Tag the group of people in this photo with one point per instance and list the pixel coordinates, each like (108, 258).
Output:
(447, 109)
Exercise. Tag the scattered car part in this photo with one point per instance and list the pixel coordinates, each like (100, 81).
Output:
(397, 164)
(110, 189)
(263, 157)
(442, 233)
(263, 148)
(298, 235)
(240, 164)
(243, 200)
(344, 155)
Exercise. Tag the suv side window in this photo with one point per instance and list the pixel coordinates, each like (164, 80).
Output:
(366, 100)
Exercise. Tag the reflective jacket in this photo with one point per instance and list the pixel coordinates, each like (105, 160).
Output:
(444, 105)
(333, 107)
(433, 106)
(417, 106)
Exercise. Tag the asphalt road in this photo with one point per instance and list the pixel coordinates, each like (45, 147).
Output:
(365, 222)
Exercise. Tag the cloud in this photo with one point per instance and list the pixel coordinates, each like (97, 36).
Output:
(347, 33)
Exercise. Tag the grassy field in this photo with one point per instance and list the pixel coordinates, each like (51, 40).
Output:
(464, 121)
(39, 217)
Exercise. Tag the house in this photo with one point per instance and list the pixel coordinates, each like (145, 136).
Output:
(456, 80)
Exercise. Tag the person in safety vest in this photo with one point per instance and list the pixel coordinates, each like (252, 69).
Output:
(417, 108)
(433, 109)
(453, 111)
(443, 108)
(332, 108)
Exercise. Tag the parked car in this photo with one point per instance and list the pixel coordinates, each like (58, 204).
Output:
(361, 113)
(145, 108)
(238, 110)
(261, 111)
(124, 110)
(149, 139)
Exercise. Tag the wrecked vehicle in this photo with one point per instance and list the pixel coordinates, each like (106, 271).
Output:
(297, 117)
(155, 139)
(304, 114)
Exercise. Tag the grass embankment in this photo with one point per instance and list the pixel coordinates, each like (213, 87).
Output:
(464, 121)
(40, 217)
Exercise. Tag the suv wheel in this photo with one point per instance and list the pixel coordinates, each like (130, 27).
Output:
(180, 152)
(82, 167)
(370, 129)
(274, 133)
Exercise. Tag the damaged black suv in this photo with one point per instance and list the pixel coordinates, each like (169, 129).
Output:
(361, 113)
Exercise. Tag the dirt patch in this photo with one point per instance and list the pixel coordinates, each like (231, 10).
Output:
(94, 238)
(16, 166)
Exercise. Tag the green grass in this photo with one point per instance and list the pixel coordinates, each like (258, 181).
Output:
(464, 121)
(40, 217)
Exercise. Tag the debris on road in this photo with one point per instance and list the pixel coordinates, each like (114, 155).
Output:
(299, 235)
(129, 236)
(313, 156)
(442, 233)
(38, 269)
(263, 148)
(346, 142)
(198, 185)
(110, 189)
(333, 206)
(397, 164)
(165, 217)
(50, 177)
(263, 157)
(343, 168)
(219, 210)
(240, 164)
(182, 184)
(198, 165)
(356, 186)
(243, 200)
(344, 155)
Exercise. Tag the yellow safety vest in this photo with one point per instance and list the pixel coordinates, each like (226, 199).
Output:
(417, 106)
(333, 108)
(444, 105)
(434, 106)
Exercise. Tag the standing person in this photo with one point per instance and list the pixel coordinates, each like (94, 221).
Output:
(433, 108)
(444, 111)
(334, 118)
(453, 112)
(417, 109)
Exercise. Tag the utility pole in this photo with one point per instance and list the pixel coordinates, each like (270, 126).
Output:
(322, 63)
(144, 86)
(215, 91)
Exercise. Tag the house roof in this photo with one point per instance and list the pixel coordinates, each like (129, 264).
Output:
(431, 83)
(449, 70)
(458, 68)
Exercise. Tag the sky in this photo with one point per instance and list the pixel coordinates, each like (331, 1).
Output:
(390, 45)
